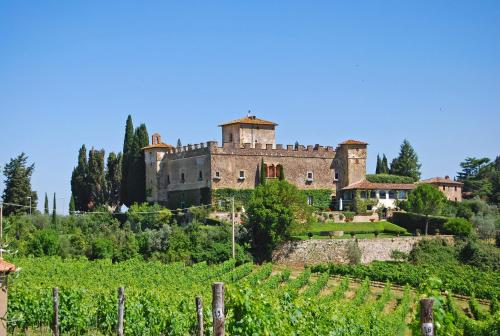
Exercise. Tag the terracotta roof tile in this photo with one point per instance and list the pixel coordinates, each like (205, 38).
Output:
(160, 145)
(353, 142)
(437, 180)
(383, 186)
(6, 266)
(251, 120)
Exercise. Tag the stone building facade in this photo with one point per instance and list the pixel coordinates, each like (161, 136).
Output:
(450, 188)
(188, 175)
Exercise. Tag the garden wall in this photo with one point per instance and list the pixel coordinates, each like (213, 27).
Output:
(319, 251)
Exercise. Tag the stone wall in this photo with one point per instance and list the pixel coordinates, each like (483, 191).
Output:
(319, 251)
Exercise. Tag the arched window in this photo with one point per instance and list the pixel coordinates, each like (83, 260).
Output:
(182, 178)
(278, 170)
(271, 171)
(200, 176)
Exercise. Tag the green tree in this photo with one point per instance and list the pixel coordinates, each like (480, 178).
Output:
(126, 160)
(113, 180)
(481, 178)
(44, 243)
(179, 143)
(426, 200)
(46, 205)
(263, 172)
(384, 168)
(137, 169)
(18, 186)
(379, 165)
(72, 208)
(406, 164)
(54, 214)
(275, 211)
(79, 181)
(282, 173)
(96, 178)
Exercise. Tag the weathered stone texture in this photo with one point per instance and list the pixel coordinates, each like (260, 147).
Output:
(319, 251)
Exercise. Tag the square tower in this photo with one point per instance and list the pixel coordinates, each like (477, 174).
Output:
(351, 162)
(249, 129)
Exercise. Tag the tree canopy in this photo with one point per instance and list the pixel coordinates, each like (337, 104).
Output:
(406, 164)
(18, 185)
(481, 178)
(427, 200)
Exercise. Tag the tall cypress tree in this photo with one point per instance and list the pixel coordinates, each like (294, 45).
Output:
(137, 168)
(179, 143)
(282, 173)
(96, 178)
(79, 181)
(18, 185)
(406, 164)
(54, 214)
(113, 179)
(126, 163)
(384, 169)
(379, 164)
(72, 208)
(46, 205)
(263, 172)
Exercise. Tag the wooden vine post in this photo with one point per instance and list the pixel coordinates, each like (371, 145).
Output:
(218, 308)
(426, 317)
(5, 269)
(199, 313)
(121, 311)
(55, 319)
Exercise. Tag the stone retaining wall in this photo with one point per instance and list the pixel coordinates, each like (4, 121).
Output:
(319, 251)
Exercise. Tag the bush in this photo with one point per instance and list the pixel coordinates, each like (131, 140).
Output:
(480, 255)
(353, 253)
(349, 214)
(44, 243)
(459, 227)
(388, 178)
(101, 248)
(413, 222)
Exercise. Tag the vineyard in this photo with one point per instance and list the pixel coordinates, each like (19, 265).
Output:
(260, 300)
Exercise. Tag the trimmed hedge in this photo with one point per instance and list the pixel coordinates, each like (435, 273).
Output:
(322, 198)
(412, 221)
(388, 178)
(324, 229)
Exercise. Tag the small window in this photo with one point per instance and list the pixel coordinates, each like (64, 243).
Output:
(392, 194)
(455, 188)
(373, 194)
(401, 194)
(382, 194)
(230, 137)
(242, 175)
(444, 188)
(182, 178)
(310, 176)
(369, 207)
(168, 179)
(336, 176)
(217, 175)
(200, 175)
(309, 200)
(363, 194)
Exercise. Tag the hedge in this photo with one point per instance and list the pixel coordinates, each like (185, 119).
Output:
(322, 198)
(324, 229)
(412, 221)
(388, 178)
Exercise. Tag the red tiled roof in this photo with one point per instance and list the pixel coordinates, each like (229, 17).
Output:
(6, 266)
(383, 186)
(440, 180)
(251, 120)
(161, 145)
(353, 142)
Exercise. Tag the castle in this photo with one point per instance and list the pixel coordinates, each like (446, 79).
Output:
(179, 177)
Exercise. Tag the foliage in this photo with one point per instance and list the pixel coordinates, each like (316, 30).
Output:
(79, 181)
(263, 172)
(127, 160)
(360, 206)
(459, 227)
(426, 200)
(17, 184)
(137, 167)
(44, 243)
(353, 252)
(388, 178)
(480, 255)
(113, 179)
(144, 216)
(241, 196)
(367, 227)
(46, 205)
(275, 211)
(72, 206)
(322, 198)
(406, 164)
(481, 178)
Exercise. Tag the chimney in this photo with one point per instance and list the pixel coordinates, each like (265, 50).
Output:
(446, 177)
(156, 139)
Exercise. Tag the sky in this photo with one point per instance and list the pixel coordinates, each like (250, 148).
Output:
(377, 71)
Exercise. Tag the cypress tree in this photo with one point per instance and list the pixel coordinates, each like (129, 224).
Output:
(113, 179)
(72, 208)
(179, 143)
(379, 164)
(406, 164)
(282, 173)
(296, 146)
(126, 160)
(137, 170)
(263, 172)
(46, 205)
(54, 218)
(79, 181)
(96, 178)
(18, 185)
(384, 169)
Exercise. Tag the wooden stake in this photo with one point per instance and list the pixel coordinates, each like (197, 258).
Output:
(121, 310)
(55, 320)
(218, 308)
(199, 312)
(426, 317)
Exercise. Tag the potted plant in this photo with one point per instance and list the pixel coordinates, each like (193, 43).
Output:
(372, 220)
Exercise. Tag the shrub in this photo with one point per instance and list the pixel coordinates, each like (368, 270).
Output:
(413, 222)
(480, 255)
(349, 214)
(459, 227)
(353, 252)
(388, 178)
(44, 242)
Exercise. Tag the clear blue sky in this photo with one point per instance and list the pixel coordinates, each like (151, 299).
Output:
(379, 71)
